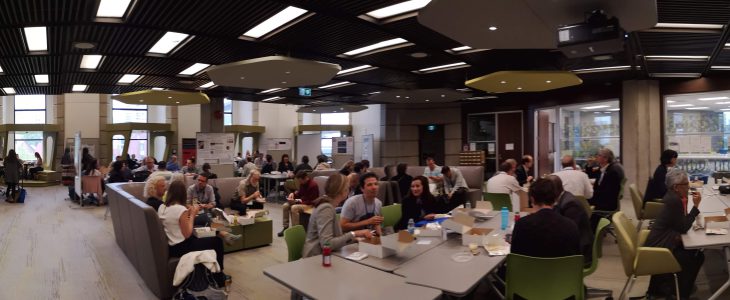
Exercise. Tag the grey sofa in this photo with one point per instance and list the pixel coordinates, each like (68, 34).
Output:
(474, 176)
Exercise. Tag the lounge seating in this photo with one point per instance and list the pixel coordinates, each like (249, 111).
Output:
(474, 177)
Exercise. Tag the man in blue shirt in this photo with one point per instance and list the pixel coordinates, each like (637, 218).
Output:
(172, 165)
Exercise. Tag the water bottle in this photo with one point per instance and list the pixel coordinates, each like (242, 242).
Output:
(411, 226)
(505, 218)
(467, 204)
(327, 255)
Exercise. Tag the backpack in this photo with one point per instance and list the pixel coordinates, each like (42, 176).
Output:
(200, 285)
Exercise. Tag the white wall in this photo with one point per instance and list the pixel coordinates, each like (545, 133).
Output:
(279, 121)
(188, 123)
(81, 113)
(8, 109)
(311, 119)
(367, 122)
(157, 114)
(242, 113)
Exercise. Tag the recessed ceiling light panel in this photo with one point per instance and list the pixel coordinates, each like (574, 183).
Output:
(336, 85)
(112, 8)
(194, 69)
(207, 85)
(90, 61)
(376, 46)
(128, 78)
(280, 19)
(36, 38)
(9, 90)
(79, 87)
(354, 70)
(443, 68)
(397, 9)
(41, 78)
(168, 42)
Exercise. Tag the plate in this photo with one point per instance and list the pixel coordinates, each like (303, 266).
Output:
(462, 257)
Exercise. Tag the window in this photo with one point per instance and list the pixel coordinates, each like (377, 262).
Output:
(585, 128)
(227, 112)
(138, 144)
(128, 113)
(332, 119)
(27, 143)
(30, 109)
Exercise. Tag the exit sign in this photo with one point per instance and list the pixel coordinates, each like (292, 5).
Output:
(305, 92)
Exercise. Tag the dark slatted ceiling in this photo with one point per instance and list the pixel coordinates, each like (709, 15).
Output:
(694, 11)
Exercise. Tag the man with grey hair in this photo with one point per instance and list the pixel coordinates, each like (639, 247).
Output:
(607, 187)
(574, 181)
(673, 221)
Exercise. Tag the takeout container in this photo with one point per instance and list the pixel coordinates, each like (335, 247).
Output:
(475, 236)
(460, 223)
(203, 232)
(717, 222)
(430, 230)
(382, 247)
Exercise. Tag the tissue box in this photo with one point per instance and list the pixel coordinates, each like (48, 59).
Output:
(203, 232)
(374, 247)
(475, 235)
(459, 223)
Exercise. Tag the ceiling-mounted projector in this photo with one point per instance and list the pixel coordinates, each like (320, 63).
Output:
(597, 35)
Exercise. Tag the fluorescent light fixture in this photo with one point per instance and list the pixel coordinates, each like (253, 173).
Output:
(373, 93)
(444, 67)
(678, 75)
(379, 45)
(356, 70)
(281, 18)
(112, 8)
(1, 69)
(713, 98)
(676, 57)
(462, 48)
(397, 9)
(9, 90)
(721, 67)
(681, 105)
(207, 85)
(271, 91)
(36, 39)
(128, 78)
(602, 69)
(702, 107)
(596, 107)
(79, 87)
(725, 109)
(336, 85)
(90, 61)
(480, 98)
(613, 109)
(168, 42)
(157, 89)
(670, 101)
(272, 99)
(726, 102)
(688, 26)
(41, 78)
(194, 69)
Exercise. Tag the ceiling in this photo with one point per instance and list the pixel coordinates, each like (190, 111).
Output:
(331, 29)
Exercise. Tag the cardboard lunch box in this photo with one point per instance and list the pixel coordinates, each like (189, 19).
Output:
(382, 247)
(475, 235)
(460, 223)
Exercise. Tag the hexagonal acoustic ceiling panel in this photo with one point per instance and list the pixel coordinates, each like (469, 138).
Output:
(169, 98)
(419, 96)
(523, 81)
(273, 72)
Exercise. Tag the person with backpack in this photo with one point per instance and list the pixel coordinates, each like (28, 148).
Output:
(13, 166)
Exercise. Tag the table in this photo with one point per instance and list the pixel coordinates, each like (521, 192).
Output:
(391, 263)
(345, 280)
(277, 178)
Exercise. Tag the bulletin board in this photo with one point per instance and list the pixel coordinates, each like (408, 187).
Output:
(215, 148)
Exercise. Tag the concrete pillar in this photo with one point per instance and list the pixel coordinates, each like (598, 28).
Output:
(641, 130)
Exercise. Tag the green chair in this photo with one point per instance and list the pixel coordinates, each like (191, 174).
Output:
(647, 211)
(294, 238)
(499, 200)
(526, 277)
(638, 260)
(600, 231)
(391, 215)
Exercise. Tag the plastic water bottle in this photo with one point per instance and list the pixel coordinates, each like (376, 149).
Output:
(467, 204)
(505, 218)
(411, 226)
(327, 255)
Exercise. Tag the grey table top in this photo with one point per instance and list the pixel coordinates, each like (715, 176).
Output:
(390, 264)
(345, 280)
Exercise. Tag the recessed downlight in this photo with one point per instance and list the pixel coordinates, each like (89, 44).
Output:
(492, 28)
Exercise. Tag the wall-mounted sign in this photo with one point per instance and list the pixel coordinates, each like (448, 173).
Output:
(305, 92)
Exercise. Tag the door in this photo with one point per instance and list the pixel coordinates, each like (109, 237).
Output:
(431, 143)
(509, 136)
(545, 141)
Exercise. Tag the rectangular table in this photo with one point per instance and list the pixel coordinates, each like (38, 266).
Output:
(345, 280)
(390, 264)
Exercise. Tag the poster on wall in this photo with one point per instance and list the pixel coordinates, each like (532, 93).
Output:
(342, 145)
(214, 148)
(367, 148)
(278, 144)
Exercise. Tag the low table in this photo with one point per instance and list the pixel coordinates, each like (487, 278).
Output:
(260, 233)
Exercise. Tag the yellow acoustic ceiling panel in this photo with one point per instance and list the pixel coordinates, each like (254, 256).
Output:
(169, 98)
(523, 81)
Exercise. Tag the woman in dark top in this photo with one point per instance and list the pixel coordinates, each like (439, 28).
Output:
(86, 158)
(657, 186)
(403, 179)
(347, 168)
(673, 221)
(117, 173)
(13, 166)
(268, 165)
(154, 190)
(285, 165)
(419, 204)
(37, 167)
(247, 192)
(304, 166)
(207, 173)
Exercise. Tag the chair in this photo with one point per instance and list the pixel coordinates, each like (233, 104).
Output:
(641, 261)
(526, 277)
(294, 237)
(643, 211)
(499, 200)
(391, 215)
(598, 237)
(91, 185)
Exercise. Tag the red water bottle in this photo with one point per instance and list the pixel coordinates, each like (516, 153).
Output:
(327, 255)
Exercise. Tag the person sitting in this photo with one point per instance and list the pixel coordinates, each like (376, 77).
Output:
(285, 165)
(238, 157)
(388, 173)
(354, 180)
(504, 182)
(419, 204)
(359, 168)
(304, 166)
(300, 200)
(568, 206)
(258, 159)
(322, 163)
(189, 168)
(13, 169)
(404, 180)
(247, 193)
(86, 157)
(673, 221)
(117, 174)
(323, 226)
(455, 187)
(37, 167)
(178, 220)
(172, 165)
(545, 233)
(117, 158)
(365, 166)
(154, 190)
(432, 171)
(268, 166)
(161, 171)
(574, 181)
(347, 168)
(363, 211)
(202, 193)
(657, 185)
(92, 169)
(607, 187)
(523, 171)
(248, 167)
(149, 166)
(592, 169)
(207, 173)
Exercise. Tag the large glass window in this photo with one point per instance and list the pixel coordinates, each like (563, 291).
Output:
(138, 144)
(587, 127)
(27, 143)
(30, 109)
(332, 119)
(128, 113)
(227, 112)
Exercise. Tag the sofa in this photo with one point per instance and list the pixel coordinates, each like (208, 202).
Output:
(474, 176)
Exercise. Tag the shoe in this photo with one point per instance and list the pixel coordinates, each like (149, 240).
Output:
(232, 238)
(281, 233)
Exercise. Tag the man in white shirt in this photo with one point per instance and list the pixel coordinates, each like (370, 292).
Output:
(504, 182)
(432, 171)
(574, 181)
(149, 165)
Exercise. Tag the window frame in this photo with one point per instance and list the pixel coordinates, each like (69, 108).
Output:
(227, 112)
(145, 110)
(16, 109)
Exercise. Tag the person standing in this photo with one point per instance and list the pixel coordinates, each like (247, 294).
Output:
(13, 168)
(607, 188)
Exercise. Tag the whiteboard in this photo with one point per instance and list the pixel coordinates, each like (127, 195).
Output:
(215, 148)
(309, 145)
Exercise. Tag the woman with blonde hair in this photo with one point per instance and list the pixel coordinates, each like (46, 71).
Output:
(246, 193)
(154, 190)
(324, 226)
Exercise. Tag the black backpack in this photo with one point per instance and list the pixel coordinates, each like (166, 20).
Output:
(200, 285)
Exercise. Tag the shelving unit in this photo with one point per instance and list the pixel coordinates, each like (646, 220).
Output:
(471, 158)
